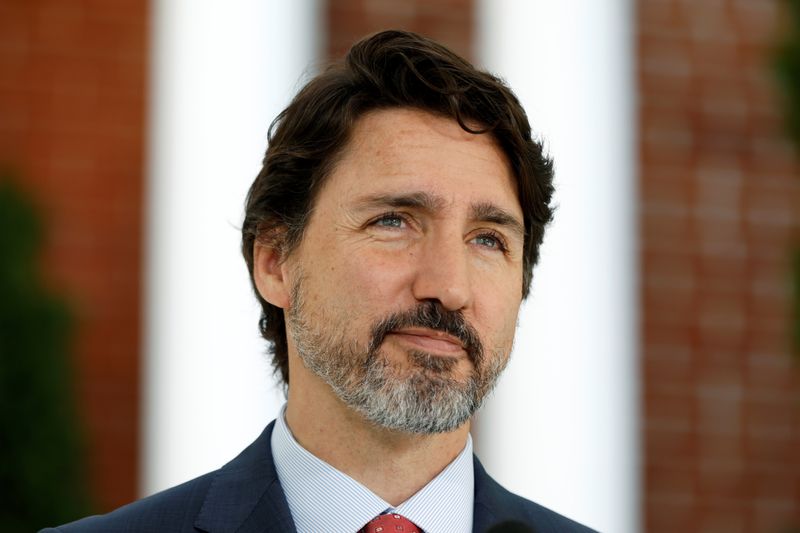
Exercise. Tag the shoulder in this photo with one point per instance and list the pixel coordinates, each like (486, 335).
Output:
(494, 505)
(222, 499)
(174, 509)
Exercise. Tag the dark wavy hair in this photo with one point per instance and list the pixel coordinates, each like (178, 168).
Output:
(391, 69)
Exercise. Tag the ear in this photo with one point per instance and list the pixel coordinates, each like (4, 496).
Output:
(268, 274)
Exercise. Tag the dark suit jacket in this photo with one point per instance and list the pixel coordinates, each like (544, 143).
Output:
(245, 496)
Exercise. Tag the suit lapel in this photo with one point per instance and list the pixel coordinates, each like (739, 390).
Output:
(246, 495)
(270, 514)
(487, 502)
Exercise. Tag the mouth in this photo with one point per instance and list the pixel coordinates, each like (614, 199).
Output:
(430, 340)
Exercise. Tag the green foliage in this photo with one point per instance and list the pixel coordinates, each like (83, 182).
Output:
(787, 68)
(41, 473)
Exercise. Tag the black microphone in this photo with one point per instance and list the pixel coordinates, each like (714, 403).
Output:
(511, 526)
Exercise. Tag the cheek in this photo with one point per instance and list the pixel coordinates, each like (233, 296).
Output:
(363, 291)
(378, 274)
(498, 311)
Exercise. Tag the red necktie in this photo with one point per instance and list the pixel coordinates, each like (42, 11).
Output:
(390, 523)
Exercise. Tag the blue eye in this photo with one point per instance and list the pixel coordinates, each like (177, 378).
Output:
(491, 241)
(390, 221)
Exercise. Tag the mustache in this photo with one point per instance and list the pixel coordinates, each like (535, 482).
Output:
(431, 315)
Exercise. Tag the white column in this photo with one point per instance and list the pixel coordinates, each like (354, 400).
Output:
(562, 428)
(220, 72)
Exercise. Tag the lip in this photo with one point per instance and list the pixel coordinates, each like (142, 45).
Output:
(430, 340)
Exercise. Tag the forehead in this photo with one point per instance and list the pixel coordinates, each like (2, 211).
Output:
(397, 150)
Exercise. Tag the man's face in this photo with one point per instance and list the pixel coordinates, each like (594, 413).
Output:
(408, 279)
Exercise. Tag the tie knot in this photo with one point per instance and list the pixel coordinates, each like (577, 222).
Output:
(390, 523)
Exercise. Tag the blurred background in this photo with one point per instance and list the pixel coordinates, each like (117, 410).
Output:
(654, 385)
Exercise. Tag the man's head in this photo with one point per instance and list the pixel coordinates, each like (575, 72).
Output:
(373, 125)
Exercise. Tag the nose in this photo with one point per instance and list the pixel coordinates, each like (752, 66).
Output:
(443, 274)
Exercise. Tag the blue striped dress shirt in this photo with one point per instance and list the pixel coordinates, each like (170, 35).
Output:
(316, 491)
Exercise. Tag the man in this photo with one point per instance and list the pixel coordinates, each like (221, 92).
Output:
(390, 238)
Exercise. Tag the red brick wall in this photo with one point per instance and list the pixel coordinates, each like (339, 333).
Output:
(72, 85)
(720, 199)
(448, 21)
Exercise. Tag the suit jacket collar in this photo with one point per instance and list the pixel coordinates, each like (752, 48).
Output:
(489, 505)
(246, 495)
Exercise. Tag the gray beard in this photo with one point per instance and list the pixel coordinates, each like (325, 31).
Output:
(422, 399)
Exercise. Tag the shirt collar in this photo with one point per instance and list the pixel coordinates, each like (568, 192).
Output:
(316, 491)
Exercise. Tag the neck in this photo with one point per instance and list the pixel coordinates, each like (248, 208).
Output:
(392, 464)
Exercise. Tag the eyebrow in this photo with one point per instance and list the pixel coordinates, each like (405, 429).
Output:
(479, 212)
(420, 200)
